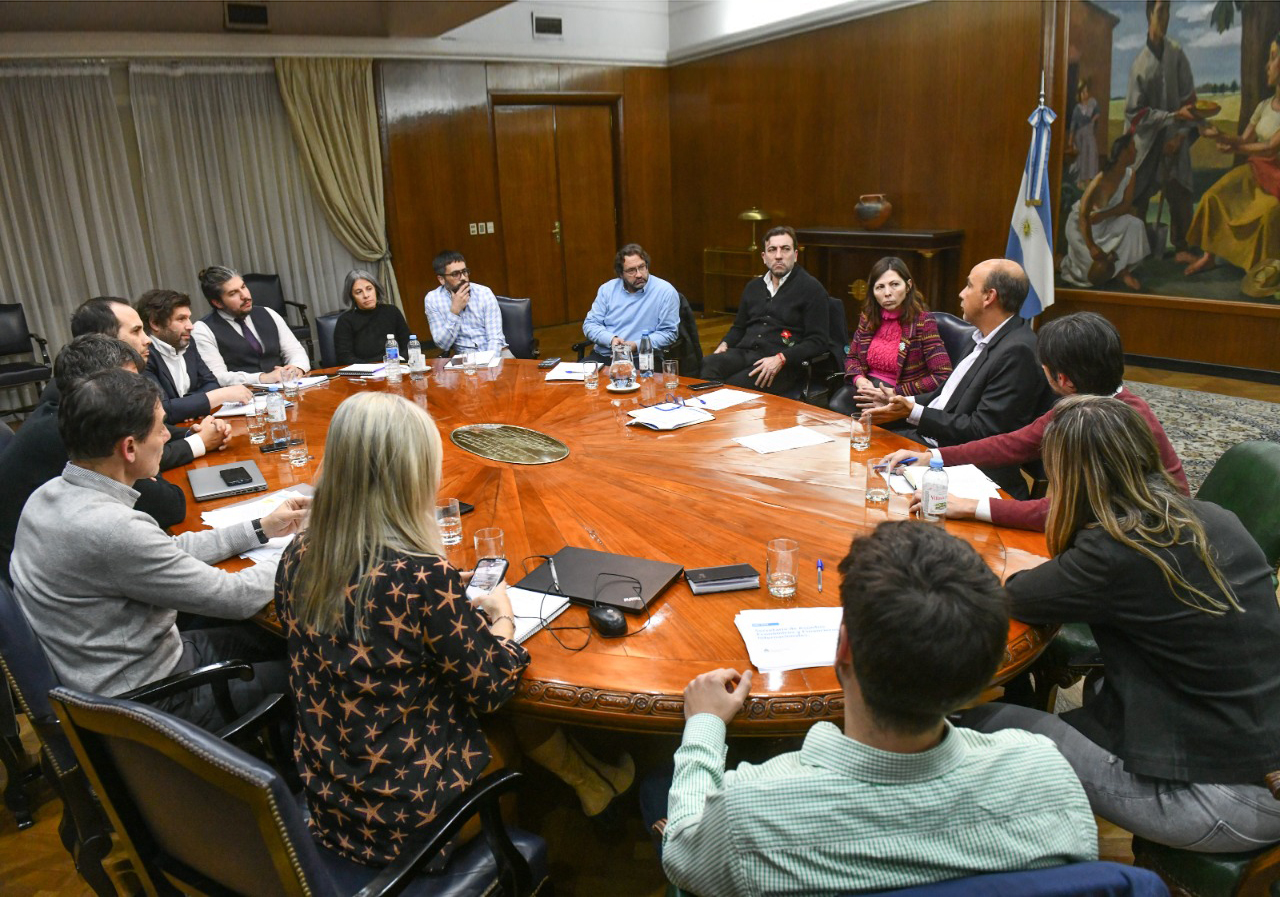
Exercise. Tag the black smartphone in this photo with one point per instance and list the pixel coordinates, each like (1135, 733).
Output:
(487, 575)
(464, 508)
(235, 476)
(548, 363)
(278, 445)
(706, 384)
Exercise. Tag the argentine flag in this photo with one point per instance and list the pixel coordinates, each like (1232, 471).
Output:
(1031, 230)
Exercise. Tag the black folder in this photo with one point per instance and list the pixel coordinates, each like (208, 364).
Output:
(590, 577)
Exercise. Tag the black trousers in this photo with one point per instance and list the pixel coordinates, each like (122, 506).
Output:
(232, 641)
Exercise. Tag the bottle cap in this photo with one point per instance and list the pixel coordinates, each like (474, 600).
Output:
(935, 463)
(391, 336)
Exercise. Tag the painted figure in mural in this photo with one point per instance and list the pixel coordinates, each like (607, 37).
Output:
(1104, 237)
(1159, 110)
(1239, 216)
(1083, 136)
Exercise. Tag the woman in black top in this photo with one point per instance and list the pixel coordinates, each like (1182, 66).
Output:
(1176, 742)
(360, 336)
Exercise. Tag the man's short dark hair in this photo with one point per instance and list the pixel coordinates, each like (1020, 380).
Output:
(211, 280)
(927, 623)
(87, 355)
(1011, 285)
(445, 259)
(159, 306)
(629, 249)
(1086, 349)
(104, 408)
(781, 230)
(97, 316)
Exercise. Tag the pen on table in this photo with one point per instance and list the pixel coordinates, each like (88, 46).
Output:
(819, 574)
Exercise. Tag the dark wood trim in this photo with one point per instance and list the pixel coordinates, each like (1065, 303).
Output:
(1182, 366)
(553, 98)
(1170, 303)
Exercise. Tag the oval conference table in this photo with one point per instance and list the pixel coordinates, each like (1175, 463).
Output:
(691, 496)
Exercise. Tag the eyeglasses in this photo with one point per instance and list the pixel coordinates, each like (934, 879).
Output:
(635, 269)
(461, 272)
(670, 402)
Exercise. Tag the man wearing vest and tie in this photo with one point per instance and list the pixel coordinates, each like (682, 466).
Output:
(240, 343)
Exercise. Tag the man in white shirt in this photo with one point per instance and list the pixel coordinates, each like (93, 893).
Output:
(187, 386)
(464, 316)
(240, 343)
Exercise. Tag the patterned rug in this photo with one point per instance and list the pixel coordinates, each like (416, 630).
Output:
(1203, 425)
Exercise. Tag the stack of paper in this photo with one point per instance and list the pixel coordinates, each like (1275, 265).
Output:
(252, 510)
(963, 480)
(312, 381)
(724, 398)
(533, 610)
(569, 371)
(795, 638)
(362, 370)
(239, 409)
(781, 440)
(480, 359)
(668, 417)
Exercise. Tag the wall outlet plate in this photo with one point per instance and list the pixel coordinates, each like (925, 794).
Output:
(473, 228)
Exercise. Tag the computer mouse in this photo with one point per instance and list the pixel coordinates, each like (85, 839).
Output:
(608, 621)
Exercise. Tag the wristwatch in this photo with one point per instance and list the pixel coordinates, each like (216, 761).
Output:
(259, 531)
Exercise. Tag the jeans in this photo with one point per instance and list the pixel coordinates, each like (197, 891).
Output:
(1207, 818)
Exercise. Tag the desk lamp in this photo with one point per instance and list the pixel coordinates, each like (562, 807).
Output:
(753, 215)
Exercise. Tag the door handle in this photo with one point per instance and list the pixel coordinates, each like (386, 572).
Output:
(555, 231)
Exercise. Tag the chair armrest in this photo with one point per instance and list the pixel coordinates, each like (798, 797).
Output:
(214, 674)
(821, 357)
(44, 346)
(535, 350)
(581, 348)
(300, 306)
(482, 798)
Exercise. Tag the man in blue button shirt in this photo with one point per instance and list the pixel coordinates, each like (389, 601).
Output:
(630, 304)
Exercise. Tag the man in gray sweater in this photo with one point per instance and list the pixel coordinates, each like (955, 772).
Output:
(102, 584)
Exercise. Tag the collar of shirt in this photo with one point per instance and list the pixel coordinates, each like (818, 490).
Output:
(622, 284)
(826, 746)
(167, 352)
(983, 340)
(768, 282)
(91, 479)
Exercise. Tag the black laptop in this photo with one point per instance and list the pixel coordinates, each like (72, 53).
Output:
(617, 580)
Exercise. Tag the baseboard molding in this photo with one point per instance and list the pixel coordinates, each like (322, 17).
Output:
(1182, 366)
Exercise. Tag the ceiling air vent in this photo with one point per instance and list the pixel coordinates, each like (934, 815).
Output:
(548, 27)
(245, 16)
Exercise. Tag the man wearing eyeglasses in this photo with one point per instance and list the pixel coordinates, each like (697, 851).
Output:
(630, 304)
(463, 316)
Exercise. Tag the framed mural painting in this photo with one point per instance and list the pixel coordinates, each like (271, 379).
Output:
(1170, 181)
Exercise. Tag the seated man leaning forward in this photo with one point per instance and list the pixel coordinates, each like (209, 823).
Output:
(783, 319)
(102, 584)
(630, 304)
(899, 797)
(463, 316)
(240, 343)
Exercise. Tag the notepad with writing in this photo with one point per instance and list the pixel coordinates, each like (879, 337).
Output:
(534, 610)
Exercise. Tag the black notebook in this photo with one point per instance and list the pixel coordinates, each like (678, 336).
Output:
(588, 577)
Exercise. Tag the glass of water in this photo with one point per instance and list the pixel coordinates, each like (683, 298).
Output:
(860, 431)
(469, 364)
(877, 483)
(297, 451)
(489, 543)
(591, 375)
(449, 516)
(257, 421)
(671, 373)
(782, 558)
(291, 384)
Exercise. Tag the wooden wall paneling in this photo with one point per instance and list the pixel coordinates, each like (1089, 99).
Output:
(594, 78)
(537, 76)
(585, 156)
(439, 166)
(646, 197)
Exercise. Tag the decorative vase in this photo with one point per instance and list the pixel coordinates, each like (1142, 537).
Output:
(873, 210)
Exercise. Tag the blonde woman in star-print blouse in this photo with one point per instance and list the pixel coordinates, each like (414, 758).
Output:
(391, 667)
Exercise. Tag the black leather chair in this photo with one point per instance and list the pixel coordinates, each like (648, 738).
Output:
(957, 335)
(325, 325)
(84, 829)
(153, 770)
(6, 435)
(16, 339)
(517, 326)
(267, 290)
(816, 382)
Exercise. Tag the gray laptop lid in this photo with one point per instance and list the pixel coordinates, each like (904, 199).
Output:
(207, 482)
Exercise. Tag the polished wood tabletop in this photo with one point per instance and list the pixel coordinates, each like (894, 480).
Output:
(691, 496)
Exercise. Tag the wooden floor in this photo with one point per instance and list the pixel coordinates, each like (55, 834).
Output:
(585, 858)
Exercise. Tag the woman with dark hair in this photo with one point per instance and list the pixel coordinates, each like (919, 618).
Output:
(1176, 742)
(360, 335)
(896, 343)
(1104, 238)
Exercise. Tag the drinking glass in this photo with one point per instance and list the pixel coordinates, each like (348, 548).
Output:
(291, 384)
(489, 543)
(591, 378)
(782, 558)
(671, 374)
(860, 431)
(877, 483)
(449, 516)
(297, 451)
(469, 365)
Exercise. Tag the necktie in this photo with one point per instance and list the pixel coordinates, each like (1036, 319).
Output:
(248, 335)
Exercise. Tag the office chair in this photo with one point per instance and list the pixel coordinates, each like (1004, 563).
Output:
(154, 771)
(16, 339)
(325, 325)
(517, 326)
(957, 335)
(267, 290)
(821, 372)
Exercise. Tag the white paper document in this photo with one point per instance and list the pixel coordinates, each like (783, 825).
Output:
(719, 399)
(252, 510)
(795, 638)
(963, 480)
(312, 381)
(569, 371)
(781, 440)
(362, 370)
(481, 359)
(668, 417)
(533, 610)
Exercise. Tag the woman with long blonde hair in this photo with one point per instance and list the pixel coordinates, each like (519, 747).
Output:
(1176, 741)
(391, 667)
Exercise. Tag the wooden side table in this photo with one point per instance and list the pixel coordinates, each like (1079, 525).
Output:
(725, 273)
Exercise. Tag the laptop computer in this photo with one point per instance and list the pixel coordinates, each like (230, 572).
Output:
(598, 577)
(208, 483)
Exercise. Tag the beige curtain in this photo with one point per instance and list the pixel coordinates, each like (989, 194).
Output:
(334, 116)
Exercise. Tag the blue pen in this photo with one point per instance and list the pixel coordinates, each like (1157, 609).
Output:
(819, 574)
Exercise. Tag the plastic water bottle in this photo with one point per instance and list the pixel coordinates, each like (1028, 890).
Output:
(933, 492)
(417, 367)
(277, 425)
(646, 355)
(391, 361)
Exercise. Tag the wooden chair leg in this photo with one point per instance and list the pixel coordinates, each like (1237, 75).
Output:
(19, 768)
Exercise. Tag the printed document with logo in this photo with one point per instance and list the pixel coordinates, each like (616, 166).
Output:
(794, 638)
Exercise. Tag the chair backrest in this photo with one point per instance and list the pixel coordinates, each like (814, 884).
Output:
(15, 337)
(839, 335)
(517, 325)
(1246, 480)
(689, 344)
(957, 335)
(6, 435)
(325, 325)
(190, 809)
(266, 290)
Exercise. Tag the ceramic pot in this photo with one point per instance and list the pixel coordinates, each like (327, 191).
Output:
(873, 210)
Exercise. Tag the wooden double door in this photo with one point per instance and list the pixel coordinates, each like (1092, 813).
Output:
(557, 186)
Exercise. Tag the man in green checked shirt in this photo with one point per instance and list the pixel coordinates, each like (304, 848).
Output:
(899, 797)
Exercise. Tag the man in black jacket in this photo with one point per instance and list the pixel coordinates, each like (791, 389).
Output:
(783, 319)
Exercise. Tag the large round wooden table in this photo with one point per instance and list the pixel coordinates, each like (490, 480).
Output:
(692, 497)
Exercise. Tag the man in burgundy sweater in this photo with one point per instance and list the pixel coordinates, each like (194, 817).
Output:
(1080, 353)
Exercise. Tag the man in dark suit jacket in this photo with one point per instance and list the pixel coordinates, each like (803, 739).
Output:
(997, 388)
(187, 386)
